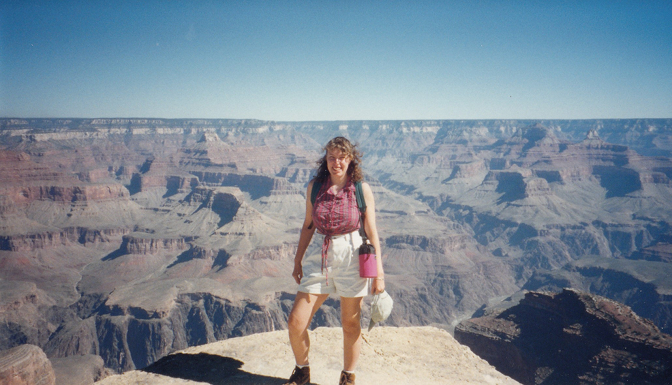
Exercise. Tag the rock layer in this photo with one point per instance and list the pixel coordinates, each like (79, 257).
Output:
(570, 337)
(25, 365)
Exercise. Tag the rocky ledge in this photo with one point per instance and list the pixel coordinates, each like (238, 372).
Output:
(570, 338)
(411, 356)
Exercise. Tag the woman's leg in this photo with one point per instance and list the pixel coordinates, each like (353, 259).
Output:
(305, 306)
(351, 311)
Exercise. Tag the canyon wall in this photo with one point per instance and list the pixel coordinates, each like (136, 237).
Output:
(130, 238)
(570, 338)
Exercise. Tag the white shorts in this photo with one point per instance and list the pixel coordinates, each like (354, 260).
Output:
(341, 275)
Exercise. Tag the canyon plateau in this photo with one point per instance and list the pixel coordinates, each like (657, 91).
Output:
(124, 240)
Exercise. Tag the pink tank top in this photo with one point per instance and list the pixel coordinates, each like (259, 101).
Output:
(335, 214)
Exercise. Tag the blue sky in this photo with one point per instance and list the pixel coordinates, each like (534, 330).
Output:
(336, 60)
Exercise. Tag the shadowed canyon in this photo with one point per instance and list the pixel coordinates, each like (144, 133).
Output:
(124, 240)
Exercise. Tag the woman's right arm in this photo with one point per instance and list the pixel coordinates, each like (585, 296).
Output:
(307, 231)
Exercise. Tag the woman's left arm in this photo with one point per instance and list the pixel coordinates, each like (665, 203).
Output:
(372, 233)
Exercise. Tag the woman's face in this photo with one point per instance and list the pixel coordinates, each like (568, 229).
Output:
(337, 162)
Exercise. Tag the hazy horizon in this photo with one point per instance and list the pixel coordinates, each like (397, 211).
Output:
(320, 121)
(336, 61)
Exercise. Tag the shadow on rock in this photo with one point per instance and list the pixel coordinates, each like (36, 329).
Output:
(209, 368)
(114, 255)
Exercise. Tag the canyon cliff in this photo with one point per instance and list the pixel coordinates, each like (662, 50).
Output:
(129, 239)
(570, 338)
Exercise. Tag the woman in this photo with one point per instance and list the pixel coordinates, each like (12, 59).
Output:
(336, 217)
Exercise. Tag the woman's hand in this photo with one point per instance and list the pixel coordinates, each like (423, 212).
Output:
(378, 286)
(298, 272)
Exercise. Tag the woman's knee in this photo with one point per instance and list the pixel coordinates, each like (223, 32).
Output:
(351, 314)
(297, 321)
(351, 325)
(301, 315)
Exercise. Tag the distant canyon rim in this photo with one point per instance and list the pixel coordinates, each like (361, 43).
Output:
(128, 239)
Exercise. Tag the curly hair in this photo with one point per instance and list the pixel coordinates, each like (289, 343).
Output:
(350, 150)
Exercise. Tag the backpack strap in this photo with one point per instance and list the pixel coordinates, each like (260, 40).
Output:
(317, 185)
(361, 203)
(359, 193)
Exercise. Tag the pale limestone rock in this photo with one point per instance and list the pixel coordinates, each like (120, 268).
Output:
(413, 355)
